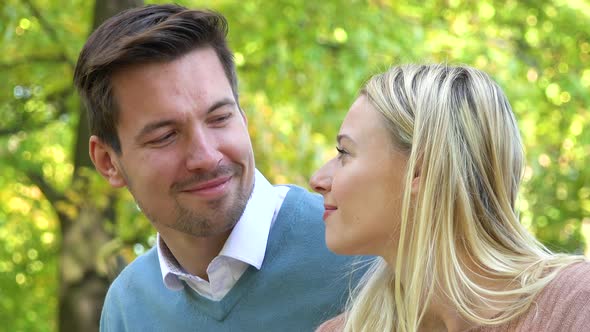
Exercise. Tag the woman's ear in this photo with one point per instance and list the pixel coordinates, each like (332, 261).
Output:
(105, 162)
(416, 183)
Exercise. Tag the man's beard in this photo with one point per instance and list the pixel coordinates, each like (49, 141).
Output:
(220, 215)
(216, 219)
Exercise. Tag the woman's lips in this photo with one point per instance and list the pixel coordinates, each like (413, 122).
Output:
(328, 210)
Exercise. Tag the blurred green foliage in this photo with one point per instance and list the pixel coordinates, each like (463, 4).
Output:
(300, 65)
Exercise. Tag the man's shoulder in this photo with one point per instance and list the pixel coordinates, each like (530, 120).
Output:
(301, 201)
(142, 269)
(138, 285)
(298, 190)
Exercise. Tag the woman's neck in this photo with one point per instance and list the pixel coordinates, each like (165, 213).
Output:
(442, 314)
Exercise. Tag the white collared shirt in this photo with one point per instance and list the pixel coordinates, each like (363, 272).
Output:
(246, 245)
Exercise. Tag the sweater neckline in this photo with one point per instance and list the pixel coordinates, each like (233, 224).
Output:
(278, 233)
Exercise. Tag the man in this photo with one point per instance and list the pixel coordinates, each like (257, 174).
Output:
(233, 252)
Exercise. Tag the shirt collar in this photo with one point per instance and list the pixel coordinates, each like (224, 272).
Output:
(248, 239)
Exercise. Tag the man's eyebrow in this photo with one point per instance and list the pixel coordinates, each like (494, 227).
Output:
(168, 122)
(153, 126)
(220, 103)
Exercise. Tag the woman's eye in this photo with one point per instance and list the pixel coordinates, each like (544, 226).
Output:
(341, 153)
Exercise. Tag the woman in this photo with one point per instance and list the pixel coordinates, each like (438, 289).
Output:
(428, 169)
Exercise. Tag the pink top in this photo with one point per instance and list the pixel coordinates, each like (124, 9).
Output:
(564, 305)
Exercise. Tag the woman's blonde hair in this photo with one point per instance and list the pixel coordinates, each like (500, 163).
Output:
(461, 138)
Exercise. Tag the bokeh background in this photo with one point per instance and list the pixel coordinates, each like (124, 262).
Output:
(64, 234)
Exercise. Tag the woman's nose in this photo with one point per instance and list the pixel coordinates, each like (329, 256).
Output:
(321, 180)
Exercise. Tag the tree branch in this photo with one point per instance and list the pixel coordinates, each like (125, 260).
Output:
(48, 28)
(56, 98)
(52, 195)
(34, 58)
(16, 129)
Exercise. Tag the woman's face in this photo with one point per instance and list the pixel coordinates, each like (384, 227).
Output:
(363, 186)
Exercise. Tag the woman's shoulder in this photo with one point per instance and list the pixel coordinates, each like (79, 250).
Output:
(572, 279)
(564, 304)
(569, 290)
(335, 324)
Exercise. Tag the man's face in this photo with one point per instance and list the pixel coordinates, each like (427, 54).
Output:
(186, 154)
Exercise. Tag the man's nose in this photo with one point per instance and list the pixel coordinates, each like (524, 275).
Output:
(203, 152)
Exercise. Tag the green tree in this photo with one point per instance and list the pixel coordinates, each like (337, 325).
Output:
(44, 121)
(64, 233)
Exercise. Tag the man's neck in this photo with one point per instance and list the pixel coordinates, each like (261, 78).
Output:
(194, 254)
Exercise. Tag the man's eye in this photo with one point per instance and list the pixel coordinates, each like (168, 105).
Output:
(221, 118)
(163, 139)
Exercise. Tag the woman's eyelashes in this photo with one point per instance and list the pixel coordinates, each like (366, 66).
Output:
(342, 153)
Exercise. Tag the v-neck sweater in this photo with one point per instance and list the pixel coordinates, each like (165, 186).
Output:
(299, 285)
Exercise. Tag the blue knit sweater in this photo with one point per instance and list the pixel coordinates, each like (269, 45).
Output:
(300, 285)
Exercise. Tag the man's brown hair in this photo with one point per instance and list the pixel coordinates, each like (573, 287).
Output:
(154, 33)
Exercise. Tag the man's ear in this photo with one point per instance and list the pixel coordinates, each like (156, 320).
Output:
(243, 114)
(104, 159)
